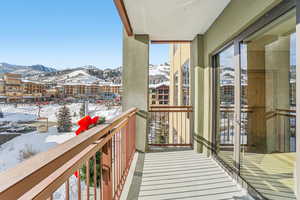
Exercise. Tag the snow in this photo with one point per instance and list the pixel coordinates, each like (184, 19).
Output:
(78, 73)
(28, 112)
(17, 117)
(41, 142)
(167, 83)
(155, 70)
(79, 77)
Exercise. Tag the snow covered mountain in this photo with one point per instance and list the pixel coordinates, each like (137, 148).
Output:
(24, 70)
(163, 70)
(81, 75)
(85, 75)
(159, 73)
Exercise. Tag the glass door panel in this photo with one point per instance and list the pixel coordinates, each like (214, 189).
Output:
(225, 106)
(268, 72)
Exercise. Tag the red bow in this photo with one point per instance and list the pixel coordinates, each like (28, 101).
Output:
(84, 125)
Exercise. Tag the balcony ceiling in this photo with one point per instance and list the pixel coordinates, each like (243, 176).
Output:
(169, 20)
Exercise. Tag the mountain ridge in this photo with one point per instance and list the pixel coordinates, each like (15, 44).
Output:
(85, 74)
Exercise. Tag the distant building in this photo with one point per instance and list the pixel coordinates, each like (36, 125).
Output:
(180, 75)
(11, 87)
(14, 89)
(159, 94)
(180, 91)
(32, 91)
(111, 87)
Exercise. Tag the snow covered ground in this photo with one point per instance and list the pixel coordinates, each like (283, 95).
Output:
(11, 151)
(26, 112)
(38, 142)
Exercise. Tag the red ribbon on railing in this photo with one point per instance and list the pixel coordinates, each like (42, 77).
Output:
(84, 124)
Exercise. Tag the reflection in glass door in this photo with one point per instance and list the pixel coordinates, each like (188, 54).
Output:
(268, 74)
(225, 105)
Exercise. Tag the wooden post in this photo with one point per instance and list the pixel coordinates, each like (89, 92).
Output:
(106, 171)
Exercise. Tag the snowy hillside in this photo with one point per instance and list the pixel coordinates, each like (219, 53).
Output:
(24, 70)
(159, 70)
(77, 76)
(159, 74)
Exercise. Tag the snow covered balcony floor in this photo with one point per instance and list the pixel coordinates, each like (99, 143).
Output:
(182, 175)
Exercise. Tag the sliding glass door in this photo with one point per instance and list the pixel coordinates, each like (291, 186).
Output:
(268, 81)
(255, 95)
(225, 91)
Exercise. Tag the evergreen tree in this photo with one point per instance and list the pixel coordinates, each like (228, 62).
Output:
(82, 111)
(83, 174)
(64, 122)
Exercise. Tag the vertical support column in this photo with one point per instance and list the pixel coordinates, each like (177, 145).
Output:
(277, 67)
(256, 74)
(135, 82)
(237, 105)
(297, 177)
(197, 70)
(106, 178)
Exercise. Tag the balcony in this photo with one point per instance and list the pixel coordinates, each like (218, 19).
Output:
(170, 170)
(237, 139)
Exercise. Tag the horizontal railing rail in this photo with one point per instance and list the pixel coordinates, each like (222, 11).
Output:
(169, 125)
(101, 157)
(285, 120)
(227, 126)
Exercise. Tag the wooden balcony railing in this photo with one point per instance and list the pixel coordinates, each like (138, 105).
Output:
(111, 145)
(169, 125)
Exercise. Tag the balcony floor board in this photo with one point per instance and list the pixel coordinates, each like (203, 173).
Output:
(186, 175)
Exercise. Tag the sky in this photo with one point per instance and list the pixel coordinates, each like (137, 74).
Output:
(64, 34)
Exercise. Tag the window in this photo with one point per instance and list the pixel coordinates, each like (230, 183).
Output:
(175, 89)
(225, 99)
(175, 48)
(186, 82)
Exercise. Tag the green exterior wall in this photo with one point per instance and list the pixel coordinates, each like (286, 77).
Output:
(135, 82)
(235, 18)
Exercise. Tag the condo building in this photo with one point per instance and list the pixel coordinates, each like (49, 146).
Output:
(159, 94)
(15, 89)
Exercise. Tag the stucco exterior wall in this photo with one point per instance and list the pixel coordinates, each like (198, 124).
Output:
(235, 18)
(135, 82)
